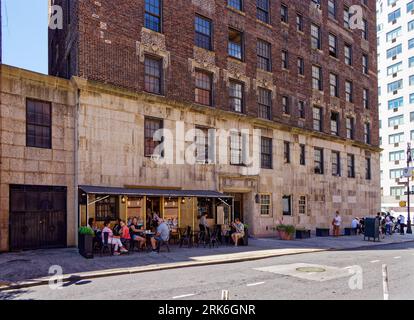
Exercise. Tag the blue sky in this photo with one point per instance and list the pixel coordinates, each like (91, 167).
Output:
(24, 24)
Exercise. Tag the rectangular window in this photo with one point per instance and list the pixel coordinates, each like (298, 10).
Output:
(301, 109)
(203, 33)
(201, 141)
(351, 166)
(265, 103)
(38, 124)
(336, 164)
(396, 121)
(203, 88)
(397, 191)
(335, 123)
(107, 208)
(153, 75)
(301, 66)
(235, 4)
(285, 59)
(302, 158)
(397, 155)
(367, 133)
(394, 69)
(266, 153)
(365, 98)
(365, 68)
(302, 205)
(410, 6)
(285, 105)
(333, 85)
(332, 9)
(287, 205)
(318, 160)
(368, 168)
(394, 51)
(235, 44)
(284, 14)
(262, 7)
(410, 25)
(317, 78)
(286, 151)
(395, 85)
(396, 173)
(264, 55)
(236, 95)
(395, 103)
(299, 22)
(315, 37)
(333, 51)
(411, 116)
(393, 34)
(393, 16)
(348, 54)
(347, 17)
(396, 138)
(317, 118)
(349, 91)
(265, 204)
(364, 29)
(151, 126)
(350, 128)
(236, 152)
(153, 9)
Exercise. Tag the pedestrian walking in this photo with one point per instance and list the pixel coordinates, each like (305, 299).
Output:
(402, 224)
(336, 223)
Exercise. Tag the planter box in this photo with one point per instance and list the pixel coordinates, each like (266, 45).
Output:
(303, 234)
(322, 232)
(85, 246)
(285, 236)
(350, 232)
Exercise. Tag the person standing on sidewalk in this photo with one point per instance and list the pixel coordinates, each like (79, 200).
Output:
(336, 223)
(402, 224)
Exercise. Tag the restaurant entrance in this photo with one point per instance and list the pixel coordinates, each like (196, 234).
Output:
(238, 206)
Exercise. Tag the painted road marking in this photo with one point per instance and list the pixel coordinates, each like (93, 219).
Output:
(375, 261)
(397, 257)
(255, 284)
(184, 296)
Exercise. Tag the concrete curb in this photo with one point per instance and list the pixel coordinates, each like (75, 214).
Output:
(159, 267)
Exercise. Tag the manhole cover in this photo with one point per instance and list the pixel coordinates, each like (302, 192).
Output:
(310, 269)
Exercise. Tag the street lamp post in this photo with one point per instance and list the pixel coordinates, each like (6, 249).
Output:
(409, 160)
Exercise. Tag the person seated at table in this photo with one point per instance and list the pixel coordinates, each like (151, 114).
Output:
(112, 239)
(92, 224)
(124, 232)
(239, 233)
(117, 227)
(162, 235)
(134, 230)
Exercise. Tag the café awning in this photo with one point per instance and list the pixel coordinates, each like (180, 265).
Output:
(152, 192)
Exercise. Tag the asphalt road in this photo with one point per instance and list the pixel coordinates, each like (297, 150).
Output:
(280, 279)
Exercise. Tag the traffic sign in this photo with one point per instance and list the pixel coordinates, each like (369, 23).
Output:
(403, 204)
(411, 193)
(408, 172)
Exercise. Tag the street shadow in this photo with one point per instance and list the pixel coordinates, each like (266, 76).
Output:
(13, 294)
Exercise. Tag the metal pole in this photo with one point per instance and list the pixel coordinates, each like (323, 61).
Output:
(409, 159)
(385, 281)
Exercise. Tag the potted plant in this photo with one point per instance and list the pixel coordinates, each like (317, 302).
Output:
(285, 231)
(85, 243)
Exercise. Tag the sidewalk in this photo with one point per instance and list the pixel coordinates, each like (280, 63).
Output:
(31, 268)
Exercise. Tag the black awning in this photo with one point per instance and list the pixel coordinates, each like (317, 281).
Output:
(152, 192)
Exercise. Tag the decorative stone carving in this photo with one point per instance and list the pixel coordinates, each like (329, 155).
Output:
(264, 80)
(317, 97)
(206, 60)
(153, 43)
(206, 5)
(236, 70)
(315, 11)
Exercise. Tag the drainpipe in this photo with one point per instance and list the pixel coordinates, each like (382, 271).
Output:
(76, 167)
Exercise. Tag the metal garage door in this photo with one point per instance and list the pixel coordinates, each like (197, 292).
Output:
(37, 217)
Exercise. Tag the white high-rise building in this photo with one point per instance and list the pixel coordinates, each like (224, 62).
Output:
(395, 24)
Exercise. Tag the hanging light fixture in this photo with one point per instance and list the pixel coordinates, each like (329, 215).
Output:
(123, 199)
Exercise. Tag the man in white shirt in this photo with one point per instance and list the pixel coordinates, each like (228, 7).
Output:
(402, 223)
(336, 223)
(355, 225)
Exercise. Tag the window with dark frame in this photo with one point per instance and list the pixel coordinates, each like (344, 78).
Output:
(301, 109)
(151, 126)
(285, 59)
(301, 66)
(365, 98)
(107, 208)
(349, 91)
(265, 204)
(235, 4)
(285, 105)
(201, 141)
(333, 85)
(336, 164)
(266, 153)
(153, 11)
(347, 17)
(318, 160)
(317, 119)
(365, 63)
(332, 9)
(264, 55)
(265, 103)
(287, 205)
(335, 123)
(348, 54)
(236, 96)
(351, 165)
(368, 168)
(317, 78)
(203, 33)
(203, 88)
(333, 45)
(236, 150)
(235, 49)
(350, 128)
(367, 132)
(365, 29)
(299, 22)
(262, 7)
(38, 124)
(286, 151)
(153, 75)
(284, 13)
(302, 158)
(315, 37)
(302, 205)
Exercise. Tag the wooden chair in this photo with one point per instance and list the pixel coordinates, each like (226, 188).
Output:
(186, 236)
(105, 244)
